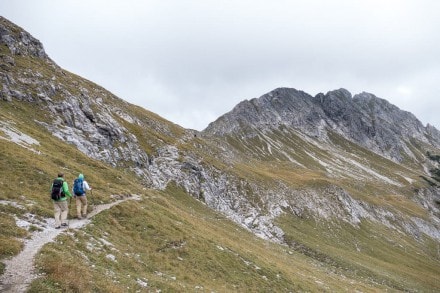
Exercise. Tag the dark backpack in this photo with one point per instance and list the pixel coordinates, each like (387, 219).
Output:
(57, 189)
(78, 187)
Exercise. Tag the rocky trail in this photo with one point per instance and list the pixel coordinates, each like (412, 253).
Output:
(20, 272)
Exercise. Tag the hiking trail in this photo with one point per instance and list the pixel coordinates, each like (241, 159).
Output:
(19, 271)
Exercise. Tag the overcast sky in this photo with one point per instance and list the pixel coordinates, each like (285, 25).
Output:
(192, 61)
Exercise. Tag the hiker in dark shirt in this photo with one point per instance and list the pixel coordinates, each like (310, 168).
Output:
(59, 194)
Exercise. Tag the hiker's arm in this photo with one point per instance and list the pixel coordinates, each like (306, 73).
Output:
(66, 189)
(86, 186)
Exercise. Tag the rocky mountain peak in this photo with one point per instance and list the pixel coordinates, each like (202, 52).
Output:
(337, 104)
(19, 41)
(365, 119)
(337, 96)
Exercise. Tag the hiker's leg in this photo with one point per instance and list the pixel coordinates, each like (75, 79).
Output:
(57, 213)
(64, 211)
(78, 206)
(84, 205)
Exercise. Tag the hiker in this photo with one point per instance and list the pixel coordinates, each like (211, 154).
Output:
(59, 194)
(80, 186)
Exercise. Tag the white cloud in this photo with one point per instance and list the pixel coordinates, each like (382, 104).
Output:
(404, 91)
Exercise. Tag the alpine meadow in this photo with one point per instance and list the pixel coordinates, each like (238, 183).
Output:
(285, 193)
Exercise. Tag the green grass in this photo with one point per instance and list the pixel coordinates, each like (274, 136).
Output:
(370, 252)
(165, 240)
(175, 244)
(27, 176)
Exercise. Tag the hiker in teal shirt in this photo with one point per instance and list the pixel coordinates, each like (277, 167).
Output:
(60, 192)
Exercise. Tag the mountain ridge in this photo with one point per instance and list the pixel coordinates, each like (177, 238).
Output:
(364, 119)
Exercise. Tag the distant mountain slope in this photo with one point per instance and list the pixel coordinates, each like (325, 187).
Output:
(363, 146)
(364, 119)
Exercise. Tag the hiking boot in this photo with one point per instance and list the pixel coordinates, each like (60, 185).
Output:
(64, 224)
(57, 227)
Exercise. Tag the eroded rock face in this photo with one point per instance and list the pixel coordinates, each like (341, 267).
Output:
(232, 196)
(19, 41)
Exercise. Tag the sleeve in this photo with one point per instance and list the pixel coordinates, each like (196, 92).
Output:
(86, 185)
(66, 189)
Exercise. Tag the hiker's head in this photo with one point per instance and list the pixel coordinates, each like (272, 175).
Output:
(81, 176)
(60, 175)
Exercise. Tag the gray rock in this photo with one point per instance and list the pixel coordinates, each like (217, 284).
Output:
(20, 42)
(363, 119)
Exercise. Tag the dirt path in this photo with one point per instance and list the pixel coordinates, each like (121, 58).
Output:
(19, 271)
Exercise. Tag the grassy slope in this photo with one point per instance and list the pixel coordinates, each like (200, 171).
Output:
(371, 252)
(174, 243)
(26, 175)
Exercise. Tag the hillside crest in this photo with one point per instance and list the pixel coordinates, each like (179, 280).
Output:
(364, 119)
